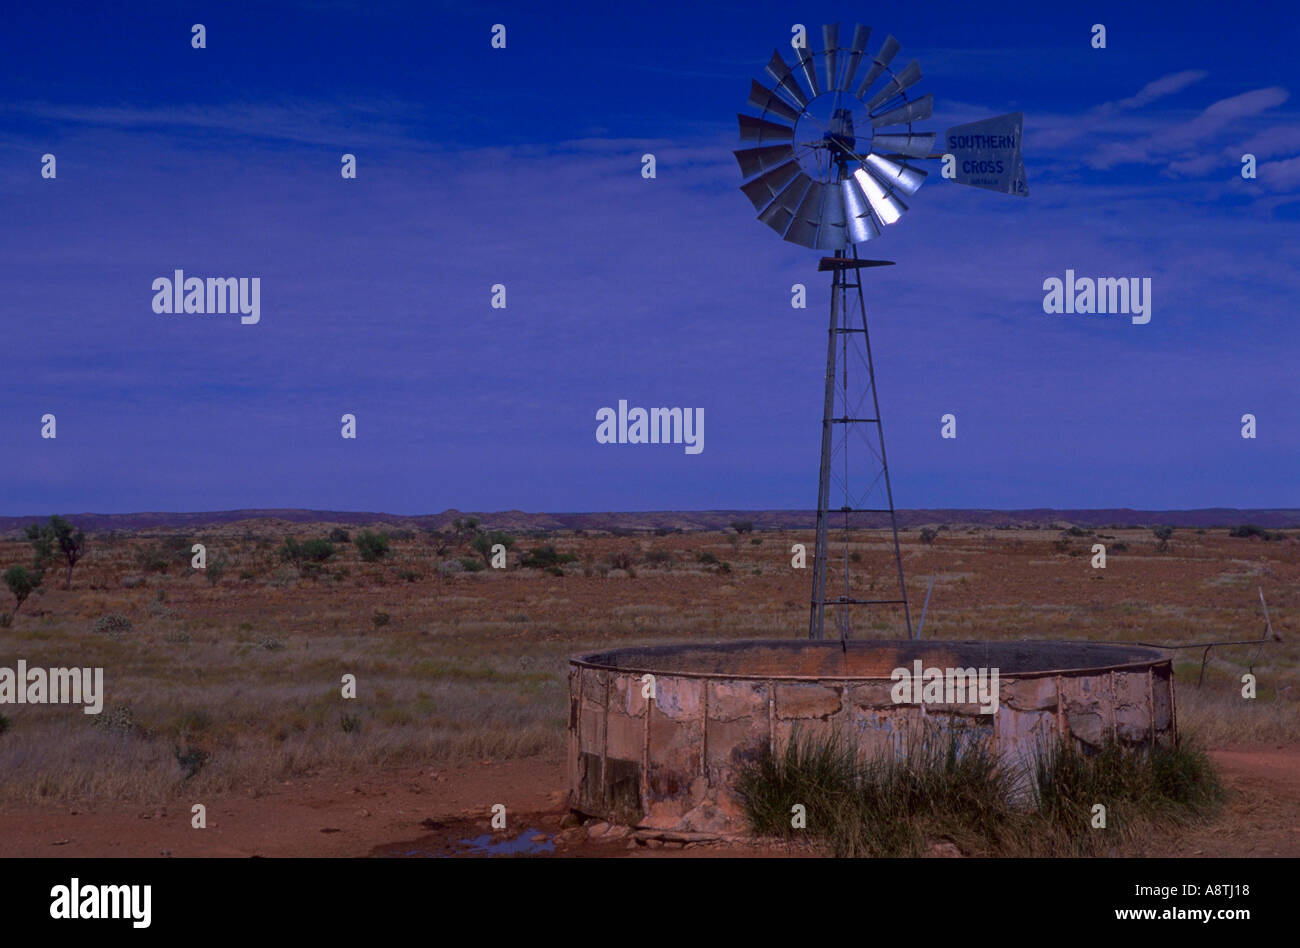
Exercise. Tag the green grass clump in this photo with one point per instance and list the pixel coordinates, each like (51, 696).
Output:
(1162, 783)
(948, 787)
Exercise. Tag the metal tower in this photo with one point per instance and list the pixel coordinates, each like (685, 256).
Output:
(851, 426)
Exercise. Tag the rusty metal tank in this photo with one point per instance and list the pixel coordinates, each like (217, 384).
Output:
(665, 758)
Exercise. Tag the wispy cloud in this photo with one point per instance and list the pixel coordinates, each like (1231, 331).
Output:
(1111, 119)
(1139, 130)
(1280, 175)
(1173, 140)
(314, 122)
(1159, 88)
(1278, 140)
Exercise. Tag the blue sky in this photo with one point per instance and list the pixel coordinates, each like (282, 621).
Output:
(522, 166)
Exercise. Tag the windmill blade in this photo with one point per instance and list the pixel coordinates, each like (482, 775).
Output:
(831, 44)
(803, 229)
(763, 98)
(758, 130)
(913, 145)
(914, 111)
(883, 58)
(909, 77)
(780, 213)
(808, 68)
(784, 79)
(987, 154)
(754, 161)
(887, 207)
(764, 189)
(861, 222)
(861, 34)
(832, 231)
(903, 177)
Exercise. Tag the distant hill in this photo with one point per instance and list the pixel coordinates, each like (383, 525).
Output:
(683, 519)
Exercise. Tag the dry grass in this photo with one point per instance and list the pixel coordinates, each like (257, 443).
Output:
(240, 682)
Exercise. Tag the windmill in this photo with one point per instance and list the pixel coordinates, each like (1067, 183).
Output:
(827, 164)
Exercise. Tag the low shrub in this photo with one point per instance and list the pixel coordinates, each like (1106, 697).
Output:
(545, 557)
(113, 624)
(372, 546)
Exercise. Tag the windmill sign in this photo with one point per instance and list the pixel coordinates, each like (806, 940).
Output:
(986, 154)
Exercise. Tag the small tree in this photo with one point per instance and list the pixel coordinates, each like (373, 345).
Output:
(928, 534)
(1162, 533)
(483, 542)
(463, 529)
(372, 546)
(42, 546)
(440, 540)
(57, 538)
(178, 548)
(21, 583)
(743, 526)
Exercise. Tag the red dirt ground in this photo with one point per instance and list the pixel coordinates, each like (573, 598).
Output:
(426, 812)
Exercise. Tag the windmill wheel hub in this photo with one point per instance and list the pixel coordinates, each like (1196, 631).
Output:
(829, 134)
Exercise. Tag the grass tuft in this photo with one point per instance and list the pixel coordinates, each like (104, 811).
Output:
(943, 787)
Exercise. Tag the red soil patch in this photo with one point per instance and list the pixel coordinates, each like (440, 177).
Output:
(419, 811)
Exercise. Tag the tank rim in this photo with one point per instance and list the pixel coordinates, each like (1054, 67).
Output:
(588, 660)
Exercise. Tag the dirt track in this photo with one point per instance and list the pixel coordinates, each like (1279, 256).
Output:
(428, 812)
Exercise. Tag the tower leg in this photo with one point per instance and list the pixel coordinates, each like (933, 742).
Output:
(817, 617)
(884, 463)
